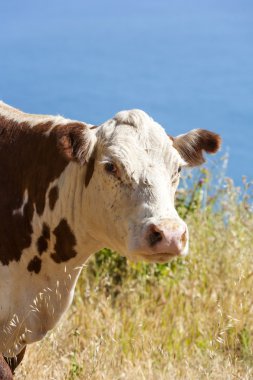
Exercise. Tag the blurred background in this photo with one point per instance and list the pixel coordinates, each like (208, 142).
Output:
(189, 64)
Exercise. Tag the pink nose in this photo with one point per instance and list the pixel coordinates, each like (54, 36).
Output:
(168, 237)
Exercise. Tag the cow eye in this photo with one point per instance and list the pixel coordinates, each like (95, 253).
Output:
(110, 168)
(175, 177)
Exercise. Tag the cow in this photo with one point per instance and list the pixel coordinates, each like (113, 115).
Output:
(69, 189)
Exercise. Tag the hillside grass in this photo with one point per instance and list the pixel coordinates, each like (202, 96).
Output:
(189, 319)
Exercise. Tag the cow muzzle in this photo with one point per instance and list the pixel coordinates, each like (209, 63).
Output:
(164, 240)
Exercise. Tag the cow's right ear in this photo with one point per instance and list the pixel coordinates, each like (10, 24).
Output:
(192, 145)
(76, 141)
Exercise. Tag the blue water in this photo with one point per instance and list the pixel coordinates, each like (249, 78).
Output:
(189, 63)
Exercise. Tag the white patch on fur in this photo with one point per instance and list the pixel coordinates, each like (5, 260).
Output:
(20, 210)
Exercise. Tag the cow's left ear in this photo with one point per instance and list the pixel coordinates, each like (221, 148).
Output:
(193, 144)
(76, 141)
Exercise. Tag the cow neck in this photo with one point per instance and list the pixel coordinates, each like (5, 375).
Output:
(41, 193)
(68, 219)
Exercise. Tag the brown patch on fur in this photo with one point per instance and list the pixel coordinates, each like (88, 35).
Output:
(42, 245)
(42, 242)
(65, 243)
(46, 231)
(30, 160)
(89, 171)
(53, 197)
(191, 145)
(34, 265)
(5, 371)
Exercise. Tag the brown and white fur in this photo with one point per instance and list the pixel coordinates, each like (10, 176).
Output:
(68, 189)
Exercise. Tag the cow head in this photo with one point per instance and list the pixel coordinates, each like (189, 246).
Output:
(131, 179)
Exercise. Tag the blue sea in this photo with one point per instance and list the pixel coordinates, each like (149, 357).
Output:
(188, 63)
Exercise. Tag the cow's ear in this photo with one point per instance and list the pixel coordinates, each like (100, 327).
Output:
(193, 144)
(76, 141)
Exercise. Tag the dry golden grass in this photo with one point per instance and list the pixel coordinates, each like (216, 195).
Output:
(192, 319)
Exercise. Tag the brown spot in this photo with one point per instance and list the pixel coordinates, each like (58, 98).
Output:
(65, 243)
(89, 171)
(53, 196)
(34, 265)
(46, 231)
(31, 160)
(191, 145)
(42, 245)
(42, 242)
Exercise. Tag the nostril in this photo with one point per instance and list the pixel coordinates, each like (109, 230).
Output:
(155, 236)
(184, 238)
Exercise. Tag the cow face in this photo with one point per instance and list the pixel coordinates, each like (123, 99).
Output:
(131, 181)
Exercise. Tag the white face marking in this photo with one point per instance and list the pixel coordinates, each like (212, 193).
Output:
(142, 191)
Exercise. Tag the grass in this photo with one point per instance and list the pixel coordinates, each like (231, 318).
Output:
(190, 319)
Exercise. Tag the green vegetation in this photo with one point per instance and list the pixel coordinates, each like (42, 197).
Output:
(189, 319)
